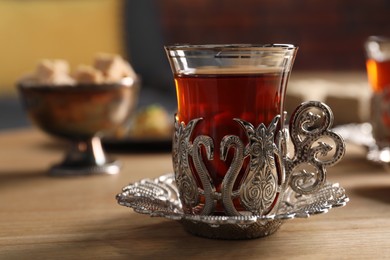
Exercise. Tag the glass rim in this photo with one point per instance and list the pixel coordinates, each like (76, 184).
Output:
(377, 47)
(378, 38)
(239, 46)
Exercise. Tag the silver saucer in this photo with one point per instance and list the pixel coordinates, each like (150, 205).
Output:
(160, 198)
(361, 134)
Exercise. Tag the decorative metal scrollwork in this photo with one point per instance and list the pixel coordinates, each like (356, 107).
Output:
(181, 149)
(259, 189)
(270, 172)
(231, 141)
(309, 129)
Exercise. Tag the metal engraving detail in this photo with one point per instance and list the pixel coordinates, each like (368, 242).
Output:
(181, 149)
(279, 183)
(270, 172)
(259, 189)
(160, 198)
(310, 135)
(228, 142)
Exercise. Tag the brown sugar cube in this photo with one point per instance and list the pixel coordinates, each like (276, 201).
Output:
(52, 72)
(47, 68)
(113, 67)
(88, 75)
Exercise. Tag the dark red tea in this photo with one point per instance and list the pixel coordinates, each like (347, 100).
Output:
(379, 77)
(218, 99)
(378, 74)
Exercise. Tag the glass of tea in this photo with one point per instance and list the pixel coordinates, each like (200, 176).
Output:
(235, 157)
(228, 96)
(378, 72)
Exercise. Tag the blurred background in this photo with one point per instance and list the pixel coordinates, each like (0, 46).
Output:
(330, 34)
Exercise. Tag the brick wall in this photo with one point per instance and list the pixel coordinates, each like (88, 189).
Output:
(330, 33)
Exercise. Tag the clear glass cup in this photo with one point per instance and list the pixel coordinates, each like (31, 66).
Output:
(222, 90)
(378, 72)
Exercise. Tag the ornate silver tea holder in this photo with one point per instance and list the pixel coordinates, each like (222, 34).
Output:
(280, 183)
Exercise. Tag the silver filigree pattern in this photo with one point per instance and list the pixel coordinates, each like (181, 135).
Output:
(231, 141)
(181, 149)
(310, 124)
(270, 170)
(207, 183)
(160, 198)
(277, 185)
(259, 190)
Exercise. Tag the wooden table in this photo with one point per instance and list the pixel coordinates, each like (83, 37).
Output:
(44, 217)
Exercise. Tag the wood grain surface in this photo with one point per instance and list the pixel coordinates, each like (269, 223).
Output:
(44, 217)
